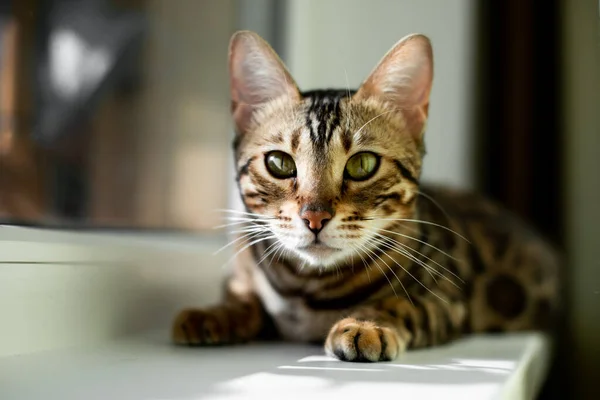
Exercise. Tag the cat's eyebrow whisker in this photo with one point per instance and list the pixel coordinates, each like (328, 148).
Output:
(373, 119)
(407, 247)
(412, 276)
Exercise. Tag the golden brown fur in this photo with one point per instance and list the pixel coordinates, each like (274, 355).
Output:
(394, 264)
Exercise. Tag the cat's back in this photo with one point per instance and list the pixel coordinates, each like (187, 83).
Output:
(511, 272)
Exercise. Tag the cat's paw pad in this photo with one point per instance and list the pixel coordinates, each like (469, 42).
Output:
(196, 327)
(363, 341)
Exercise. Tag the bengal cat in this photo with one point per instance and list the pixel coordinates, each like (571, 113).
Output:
(340, 243)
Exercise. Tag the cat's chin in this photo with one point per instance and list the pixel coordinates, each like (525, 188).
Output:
(320, 255)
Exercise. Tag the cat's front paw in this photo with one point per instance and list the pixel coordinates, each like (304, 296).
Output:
(363, 341)
(196, 327)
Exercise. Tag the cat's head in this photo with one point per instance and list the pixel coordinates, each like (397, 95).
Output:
(329, 171)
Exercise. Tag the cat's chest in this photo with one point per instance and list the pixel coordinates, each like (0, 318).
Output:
(293, 318)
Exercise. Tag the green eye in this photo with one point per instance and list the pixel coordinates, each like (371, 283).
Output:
(280, 165)
(361, 166)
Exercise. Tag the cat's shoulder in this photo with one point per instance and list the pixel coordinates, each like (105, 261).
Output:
(458, 197)
(470, 206)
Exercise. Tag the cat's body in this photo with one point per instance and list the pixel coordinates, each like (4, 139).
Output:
(503, 280)
(341, 243)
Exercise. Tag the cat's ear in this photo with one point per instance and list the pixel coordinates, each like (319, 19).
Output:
(403, 78)
(257, 76)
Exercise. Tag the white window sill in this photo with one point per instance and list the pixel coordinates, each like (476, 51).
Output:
(75, 308)
(148, 367)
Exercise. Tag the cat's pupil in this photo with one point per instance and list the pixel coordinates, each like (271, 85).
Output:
(363, 164)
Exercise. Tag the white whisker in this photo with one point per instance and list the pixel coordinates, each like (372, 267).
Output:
(365, 263)
(277, 254)
(430, 270)
(302, 265)
(412, 258)
(435, 203)
(253, 227)
(394, 273)
(407, 247)
(241, 222)
(368, 252)
(412, 276)
(248, 236)
(422, 242)
(248, 245)
(269, 250)
(231, 224)
(418, 221)
(243, 218)
(232, 211)
(373, 119)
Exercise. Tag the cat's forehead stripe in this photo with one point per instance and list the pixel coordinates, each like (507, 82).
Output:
(323, 115)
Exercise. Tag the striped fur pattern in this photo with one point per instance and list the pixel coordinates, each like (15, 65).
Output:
(396, 264)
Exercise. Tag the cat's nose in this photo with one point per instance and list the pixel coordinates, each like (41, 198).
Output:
(316, 220)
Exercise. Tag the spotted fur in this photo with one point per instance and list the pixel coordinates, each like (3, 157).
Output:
(397, 264)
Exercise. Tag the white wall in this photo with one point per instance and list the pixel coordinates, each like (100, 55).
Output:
(327, 39)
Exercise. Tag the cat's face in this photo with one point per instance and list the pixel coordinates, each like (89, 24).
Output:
(329, 171)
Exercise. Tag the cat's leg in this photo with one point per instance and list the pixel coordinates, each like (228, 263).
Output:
(233, 321)
(384, 330)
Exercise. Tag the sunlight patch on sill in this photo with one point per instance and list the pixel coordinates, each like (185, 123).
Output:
(332, 368)
(321, 358)
(492, 364)
(261, 380)
(410, 366)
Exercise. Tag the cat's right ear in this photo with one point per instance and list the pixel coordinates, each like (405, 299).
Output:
(257, 76)
(403, 78)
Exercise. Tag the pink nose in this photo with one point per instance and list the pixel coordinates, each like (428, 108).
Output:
(315, 220)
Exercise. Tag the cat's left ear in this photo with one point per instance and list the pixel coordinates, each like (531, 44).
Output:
(257, 76)
(403, 78)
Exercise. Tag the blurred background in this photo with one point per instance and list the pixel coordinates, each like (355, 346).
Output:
(115, 115)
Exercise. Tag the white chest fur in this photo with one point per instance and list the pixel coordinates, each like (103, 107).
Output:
(294, 320)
